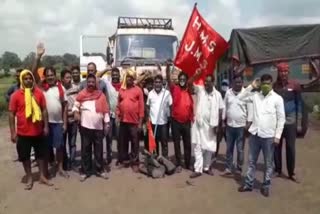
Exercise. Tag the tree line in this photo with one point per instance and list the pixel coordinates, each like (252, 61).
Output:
(10, 60)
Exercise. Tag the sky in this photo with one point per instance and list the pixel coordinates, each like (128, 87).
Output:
(60, 23)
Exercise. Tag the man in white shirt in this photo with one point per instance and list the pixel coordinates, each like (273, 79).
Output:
(236, 114)
(57, 105)
(209, 104)
(159, 106)
(266, 129)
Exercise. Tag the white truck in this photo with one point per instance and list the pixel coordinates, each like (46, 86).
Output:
(144, 44)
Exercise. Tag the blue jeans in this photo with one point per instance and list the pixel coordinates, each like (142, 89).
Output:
(255, 145)
(234, 136)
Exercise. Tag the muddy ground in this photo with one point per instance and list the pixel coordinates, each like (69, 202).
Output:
(126, 192)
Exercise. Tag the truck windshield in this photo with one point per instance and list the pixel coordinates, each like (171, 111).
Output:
(153, 47)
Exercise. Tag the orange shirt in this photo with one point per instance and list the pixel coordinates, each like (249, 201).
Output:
(182, 104)
(130, 107)
(25, 126)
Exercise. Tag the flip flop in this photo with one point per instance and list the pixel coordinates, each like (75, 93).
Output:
(64, 174)
(103, 175)
(83, 178)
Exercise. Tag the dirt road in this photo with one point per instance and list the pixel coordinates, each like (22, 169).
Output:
(126, 192)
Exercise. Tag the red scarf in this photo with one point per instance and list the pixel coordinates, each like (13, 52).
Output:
(97, 95)
(46, 87)
(117, 86)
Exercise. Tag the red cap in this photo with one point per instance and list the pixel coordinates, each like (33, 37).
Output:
(283, 67)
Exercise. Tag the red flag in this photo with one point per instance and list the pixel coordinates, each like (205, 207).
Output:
(201, 47)
(151, 138)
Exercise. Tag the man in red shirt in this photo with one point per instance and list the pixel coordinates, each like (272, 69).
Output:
(28, 105)
(182, 115)
(130, 113)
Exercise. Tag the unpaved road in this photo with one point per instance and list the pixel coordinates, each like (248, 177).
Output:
(126, 192)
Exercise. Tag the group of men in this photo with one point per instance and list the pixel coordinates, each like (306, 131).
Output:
(45, 115)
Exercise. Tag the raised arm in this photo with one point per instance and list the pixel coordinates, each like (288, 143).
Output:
(168, 75)
(35, 65)
(196, 76)
(101, 74)
(246, 94)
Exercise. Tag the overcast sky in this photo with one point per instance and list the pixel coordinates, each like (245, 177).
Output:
(59, 23)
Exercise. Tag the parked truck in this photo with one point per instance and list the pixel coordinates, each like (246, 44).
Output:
(143, 44)
(256, 51)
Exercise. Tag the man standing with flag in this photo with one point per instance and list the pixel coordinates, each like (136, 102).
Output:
(182, 115)
(200, 49)
(209, 103)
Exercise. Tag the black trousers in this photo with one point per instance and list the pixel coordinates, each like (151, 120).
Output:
(128, 132)
(113, 133)
(289, 135)
(91, 138)
(161, 137)
(71, 137)
(182, 130)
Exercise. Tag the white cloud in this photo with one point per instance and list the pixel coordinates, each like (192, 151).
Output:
(59, 23)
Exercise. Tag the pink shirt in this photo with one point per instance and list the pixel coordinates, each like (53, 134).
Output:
(90, 119)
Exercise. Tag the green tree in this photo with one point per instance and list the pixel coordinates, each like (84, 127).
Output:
(51, 60)
(28, 60)
(10, 60)
(70, 59)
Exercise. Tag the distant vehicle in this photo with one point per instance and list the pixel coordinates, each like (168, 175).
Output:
(143, 44)
(255, 51)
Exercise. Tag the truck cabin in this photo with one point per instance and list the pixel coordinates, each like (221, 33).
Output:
(142, 42)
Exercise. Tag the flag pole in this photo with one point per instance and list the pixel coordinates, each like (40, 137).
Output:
(185, 32)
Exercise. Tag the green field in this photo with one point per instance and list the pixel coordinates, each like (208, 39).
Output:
(5, 83)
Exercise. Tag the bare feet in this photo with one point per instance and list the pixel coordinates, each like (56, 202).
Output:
(45, 182)
(294, 179)
(29, 183)
(135, 168)
(178, 169)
